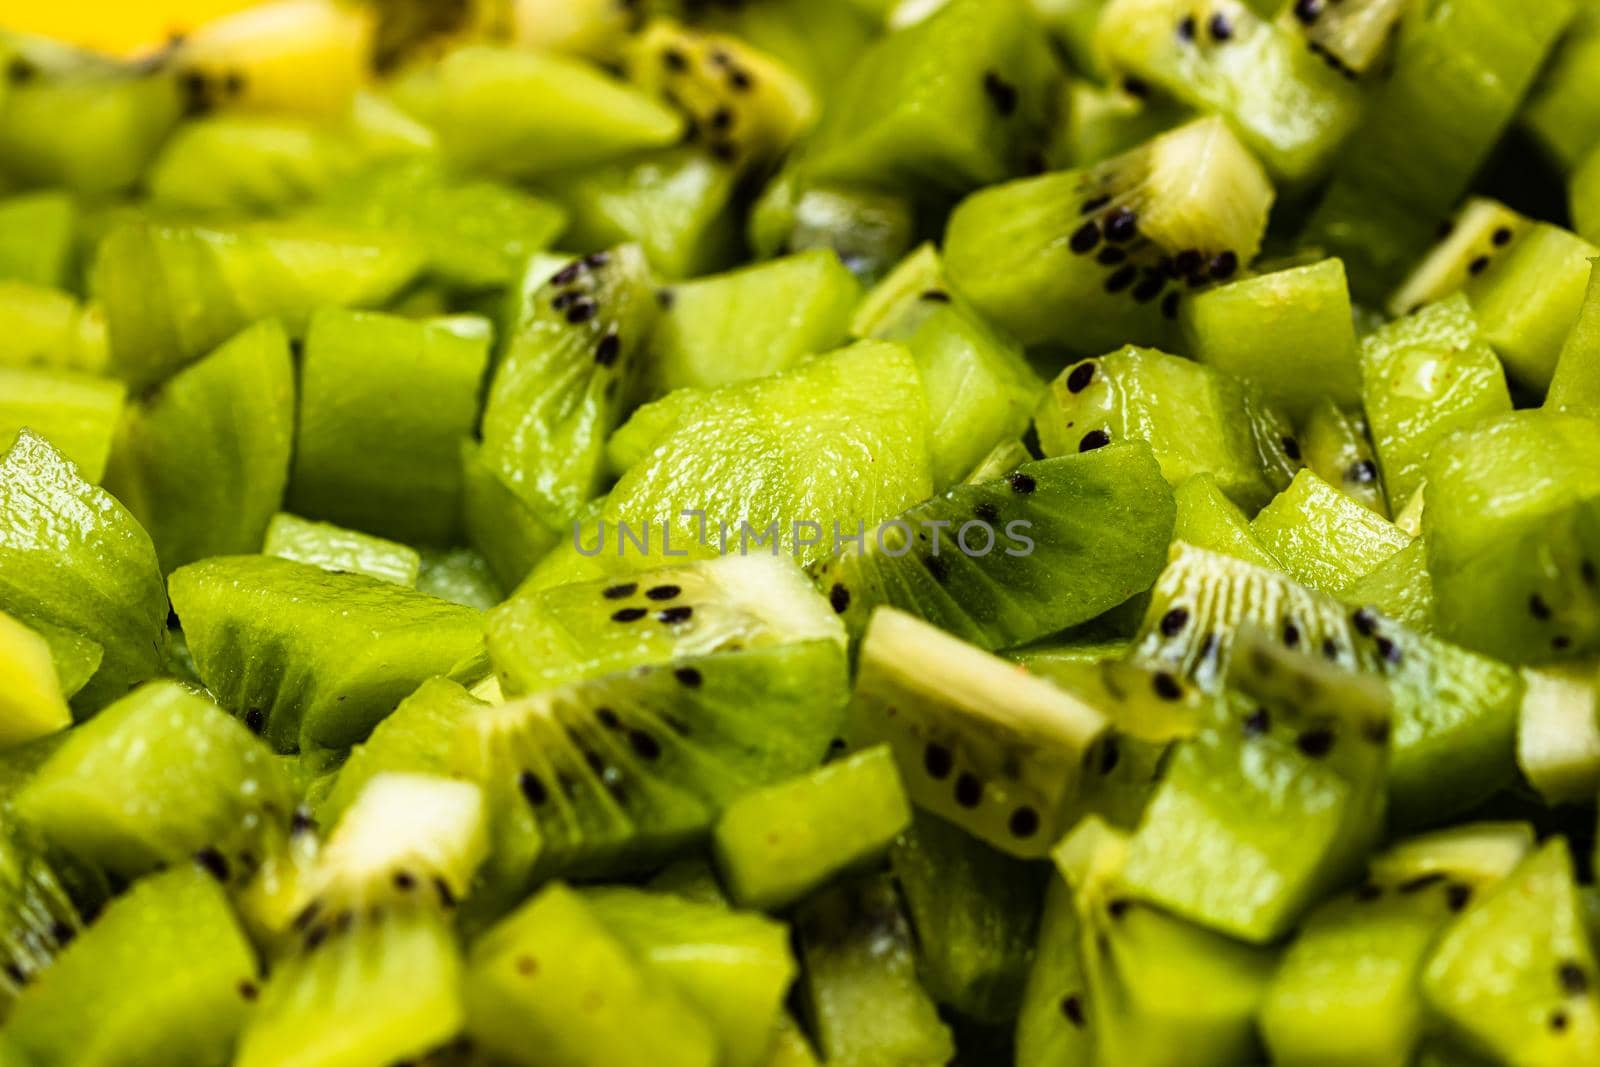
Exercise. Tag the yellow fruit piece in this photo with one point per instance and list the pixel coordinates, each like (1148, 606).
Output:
(31, 704)
(119, 27)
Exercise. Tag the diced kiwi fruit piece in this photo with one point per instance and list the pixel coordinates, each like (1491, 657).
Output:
(1322, 538)
(1351, 36)
(861, 991)
(1102, 121)
(1096, 258)
(1191, 416)
(975, 912)
(1513, 526)
(1575, 386)
(1130, 999)
(72, 557)
(1246, 328)
(498, 523)
(1427, 376)
(1208, 519)
(1558, 735)
(611, 773)
(1399, 587)
(203, 459)
(1514, 976)
(553, 986)
(1480, 233)
(776, 844)
(1284, 102)
(520, 114)
(746, 106)
(1562, 112)
(792, 463)
(1347, 990)
(819, 42)
(722, 329)
(118, 115)
(868, 229)
(1584, 196)
(544, 638)
(1336, 448)
(461, 576)
(382, 453)
(735, 967)
(295, 56)
(37, 906)
(994, 750)
(173, 293)
(32, 698)
(304, 655)
(163, 976)
(248, 164)
(335, 548)
(1454, 712)
(1460, 70)
(48, 327)
(77, 413)
(1528, 301)
(951, 103)
(476, 233)
(568, 373)
(1053, 1023)
(36, 237)
(1005, 562)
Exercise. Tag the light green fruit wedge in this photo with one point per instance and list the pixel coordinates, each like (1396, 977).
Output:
(36, 235)
(32, 703)
(75, 412)
(334, 548)
(1208, 519)
(1336, 447)
(1528, 301)
(1575, 387)
(1322, 538)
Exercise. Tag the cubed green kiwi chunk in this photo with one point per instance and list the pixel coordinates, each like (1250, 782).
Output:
(1558, 735)
(1529, 300)
(518, 114)
(41, 326)
(1054, 1027)
(1334, 442)
(160, 776)
(1275, 801)
(868, 229)
(163, 976)
(819, 42)
(1049, 545)
(1208, 519)
(542, 638)
(1130, 996)
(776, 844)
(1455, 712)
(1096, 258)
(381, 452)
(1513, 527)
(1480, 233)
(678, 204)
(1101, 121)
(1322, 538)
(610, 774)
(1347, 991)
(957, 101)
(459, 575)
(75, 412)
(1288, 106)
(38, 909)
(203, 460)
(1460, 70)
(476, 233)
(1400, 587)
(1514, 976)
(861, 991)
(33, 688)
(498, 524)
(172, 293)
(552, 986)
(1196, 419)
(37, 231)
(118, 115)
(568, 373)
(249, 164)
(752, 322)
(335, 548)
(1562, 111)
(1583, 196)
(1289, 333)
(73, 558)
(998, 752)
(1351, 36)
(734, 967)
(1575, 386)
(307, 656)
(792, 463)
(1426, 376)
(976, 916)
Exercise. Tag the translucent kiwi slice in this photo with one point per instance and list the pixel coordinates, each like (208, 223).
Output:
(1095, 258)
(1324, 539)
(1050, 545)
(1351, 36)
(1480, 233)
(1336, 447)
(249, 165)
(996, 751)
(334, 548)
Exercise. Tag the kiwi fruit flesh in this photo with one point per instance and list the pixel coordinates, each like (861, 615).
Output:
(1053, 1023)
(1558, 735)
(1575, 386)
(1100, 257)
(40, 907)
(836, 817)
(307, 656)
(249, 164)
(1208, 519)
(973, 561)
(1481, 232)
(75, 559)
(77, 413)
(1399, 587)
(1322, 538)
(1102, 121)
(335, 548)
(203, 461)
(1561, 112)
(33, 689)
(1335, 443)
(1528, 301)
(1351, 36)
(49, 327)
(36, 237)
(459, 575)
(868, 229)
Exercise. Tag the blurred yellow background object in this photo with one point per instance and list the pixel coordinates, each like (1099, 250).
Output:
(121, 27)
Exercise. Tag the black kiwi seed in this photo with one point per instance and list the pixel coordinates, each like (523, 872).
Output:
(937, 761)
(621, 592)
(561, 300)
(1072, 1008)
(642, 743)
(1122, 225)
(404, 881)
(1221, 27)
(1478, 266)
(1118, 908)
(1135, 86)
(675, 60)
(1186, 28)
(1169, 305)
(722, 119)
(740, 80)
(1024, 822)
(1291, 448)
(1291, 634)
(608, 718)
(663, 592)
(1094, 204)
(606, 352)
(1364, 472)
(1224, 266)
(532, 788)
(1330, 648)
(1110, 755)
(1364, 622)
(671, 616)
(1389, 651)
(1173, 622)
(1538, 608)
(1122, 279)
(1561, 642)
(249, 991)
(1022, 484)
(1457, 896)
(1315, 742)
(214, 862)
(568, 274)
(1376, 731)
(1573, 978)
(1559, 1021)
(688, 677)
(1586, 569)
(19, 71)
(1085, 238)
(1001, 93)
(936, 567)
(582, 311)
(1167, 687)
(1149, 289)
(839, 597)
(61, 933)
(596, 260)
(969, 791)
(936, 296)
(447, 896)
(301, 822)
(1257, 722)
(255, 719)
(1111, 256)
(987, 512)
(1094, 439)
(1502, 237)
(628, 615)
(666, 297)
(1308, 11)
(1080, 378)
(17, 975)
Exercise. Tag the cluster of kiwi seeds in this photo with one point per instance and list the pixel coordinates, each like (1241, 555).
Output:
(576, 300)
(662, 604)
(715, 119)
(1310, 12)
